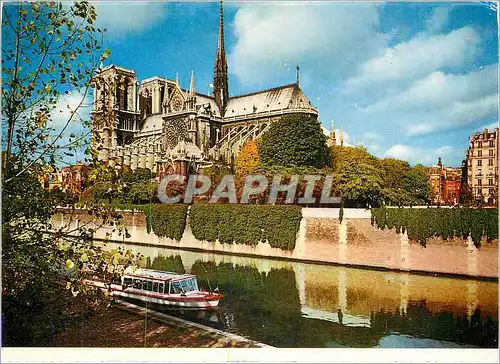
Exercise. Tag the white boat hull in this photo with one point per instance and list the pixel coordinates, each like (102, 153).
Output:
(192, 300)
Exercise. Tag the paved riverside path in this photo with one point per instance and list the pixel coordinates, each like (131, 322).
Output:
(163, 317)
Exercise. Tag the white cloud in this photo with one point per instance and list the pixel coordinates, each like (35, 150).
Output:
(65, 106)
(60, 116)
(457, 114)
(132, 17)
(441, 102)
(416, 155)
(439, 89)
(416, 58)
(322, 39)
(437, 20)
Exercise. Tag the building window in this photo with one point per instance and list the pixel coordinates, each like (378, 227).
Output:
(491, 152)
(492, 143)
(479, 144)
(479, 182)
(490, 162)
(479, 153)
(491, 191)
(479, 162)
(490, 182)
(479, 192)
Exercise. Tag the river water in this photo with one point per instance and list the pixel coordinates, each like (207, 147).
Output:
(289, 304)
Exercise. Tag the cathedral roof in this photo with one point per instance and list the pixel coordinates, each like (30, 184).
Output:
(281, 98)
(204, 101)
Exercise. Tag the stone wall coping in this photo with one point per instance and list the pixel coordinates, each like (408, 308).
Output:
(333, 213)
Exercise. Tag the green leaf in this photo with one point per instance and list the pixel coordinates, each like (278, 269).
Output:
(69, 264)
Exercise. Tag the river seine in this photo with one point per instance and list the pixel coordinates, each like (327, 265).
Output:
(297, 305)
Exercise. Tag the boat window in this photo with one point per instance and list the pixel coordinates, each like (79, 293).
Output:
(147, 285)
(175, 287)
(160, 287)
(137, 283)
(155, 286)
(127, 282)
(186, 285)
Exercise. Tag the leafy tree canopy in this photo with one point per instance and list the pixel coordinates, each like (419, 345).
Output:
(248, 159)
(360, 184)
(295, 140)
(345, 155)
(50, 52)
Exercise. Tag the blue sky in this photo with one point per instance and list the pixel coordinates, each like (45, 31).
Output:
(408, 80)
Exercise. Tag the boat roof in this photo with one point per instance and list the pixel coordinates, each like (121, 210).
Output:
(156, 274)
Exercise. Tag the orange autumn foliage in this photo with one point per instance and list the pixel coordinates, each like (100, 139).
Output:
(248, 160)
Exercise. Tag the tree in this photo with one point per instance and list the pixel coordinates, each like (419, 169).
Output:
(403, 184)
(142, 192)
(393, 169)
(248, 159)
(342, 156)
(416, 182)
(295, 140)
(52, 52)
(360, 185)
(137, 175)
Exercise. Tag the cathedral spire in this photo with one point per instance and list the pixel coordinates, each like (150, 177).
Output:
(191, 85)
(221, 91)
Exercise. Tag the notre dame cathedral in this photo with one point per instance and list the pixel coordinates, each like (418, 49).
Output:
(157, 124)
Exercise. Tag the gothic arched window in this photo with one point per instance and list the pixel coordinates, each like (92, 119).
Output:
(149, 103)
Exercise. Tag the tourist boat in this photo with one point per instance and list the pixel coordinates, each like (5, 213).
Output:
(162, 288)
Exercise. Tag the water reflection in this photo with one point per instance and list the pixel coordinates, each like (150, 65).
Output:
(287, 304)
(419, 321)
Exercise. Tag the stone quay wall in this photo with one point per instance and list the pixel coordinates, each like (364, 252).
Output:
(323, 239)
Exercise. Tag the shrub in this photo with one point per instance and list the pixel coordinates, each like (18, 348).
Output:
(422, 224)
(246, 224)
(168, 220)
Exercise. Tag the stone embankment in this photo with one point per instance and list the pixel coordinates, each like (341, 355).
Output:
(323, 239)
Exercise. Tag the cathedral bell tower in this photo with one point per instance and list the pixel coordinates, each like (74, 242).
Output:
(221, 91)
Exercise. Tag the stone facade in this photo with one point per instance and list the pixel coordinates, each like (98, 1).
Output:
(482, 166)
(159, 125)
(445, 184)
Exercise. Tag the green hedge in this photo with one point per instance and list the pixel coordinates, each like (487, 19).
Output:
(246, 224)
(421, 224)
(168, 220)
